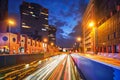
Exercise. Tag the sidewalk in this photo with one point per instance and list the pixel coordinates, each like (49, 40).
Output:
(111, 61)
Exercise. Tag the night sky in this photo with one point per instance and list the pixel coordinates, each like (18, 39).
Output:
(65, 15)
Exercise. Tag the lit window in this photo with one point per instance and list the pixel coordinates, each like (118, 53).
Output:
(46, 25)
(53, 38)
(44, 29)
(43, 13)
(31, 7)
(26, 26)
(51, 35)
(33, 15)
(46, 18)
(31, 12)
(25, 13)
(23, 23)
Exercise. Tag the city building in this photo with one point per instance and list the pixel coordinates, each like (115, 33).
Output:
(3, 15)
(7, 40)
(87, 32)
(103, 37)
(34, 20)
(108, 24)
(35, 32)
(11, 43)
(52, 34)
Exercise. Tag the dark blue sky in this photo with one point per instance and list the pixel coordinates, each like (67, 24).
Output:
(64, 14)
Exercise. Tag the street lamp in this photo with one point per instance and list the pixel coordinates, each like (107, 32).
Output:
(51, 43)
(45, 40)
(11, 22)
(78, 39)
(79, 42)
(92, 24)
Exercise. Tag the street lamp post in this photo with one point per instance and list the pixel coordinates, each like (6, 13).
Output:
(92, 24)
(52, 47)
(10, 23)
(79, 43)
(45, 40)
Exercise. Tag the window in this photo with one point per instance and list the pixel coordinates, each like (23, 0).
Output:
(104, 49)
(44, 13)
(109, 49)
(117, 48)
(108, 37)
(25, 13)
(14, 39)
(22, 40)
(114, 34)
(44, 29)
(28, 42)
(100, 49)
(5, 38)
(33, 15)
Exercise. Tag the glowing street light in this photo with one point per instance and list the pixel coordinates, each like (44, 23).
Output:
(45, 40)
(91, 24)
(79, 42)
(79, 39)
(45, 45)
(51, 43)
(11, 22)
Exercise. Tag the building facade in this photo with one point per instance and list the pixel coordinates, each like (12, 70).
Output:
(3, 15)
(105, 34)
(108, 23)
(19, 44)
(87, 32)
(34, 20)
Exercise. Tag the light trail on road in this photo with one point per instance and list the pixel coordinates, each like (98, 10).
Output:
(45, 71)
(60, 67)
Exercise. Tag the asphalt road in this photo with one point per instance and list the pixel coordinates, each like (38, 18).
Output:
(60, 67)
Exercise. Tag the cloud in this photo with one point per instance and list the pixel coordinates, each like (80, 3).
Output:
(76, 31)
(63, 42)
(60, 23)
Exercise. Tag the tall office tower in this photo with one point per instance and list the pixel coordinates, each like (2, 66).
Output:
(3, 15)
(34, 20)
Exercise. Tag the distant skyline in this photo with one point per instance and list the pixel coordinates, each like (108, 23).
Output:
(65, 15)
